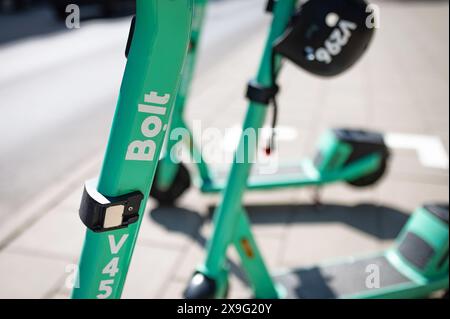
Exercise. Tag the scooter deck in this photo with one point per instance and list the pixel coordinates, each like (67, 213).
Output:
(343, 279)
(286, 175)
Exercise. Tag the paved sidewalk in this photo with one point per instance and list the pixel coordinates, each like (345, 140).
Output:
(401, 87)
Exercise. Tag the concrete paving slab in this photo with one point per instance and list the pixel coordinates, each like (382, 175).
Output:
(314, 243)
(150, 269)
(29, 276)
(169, 227)
(409, 195)
(59, 234)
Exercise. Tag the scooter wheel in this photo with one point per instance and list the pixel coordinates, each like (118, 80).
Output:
(203, 287)
(371, 178)
(181, 183)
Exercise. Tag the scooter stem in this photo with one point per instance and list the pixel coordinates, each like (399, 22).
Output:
(147, 95)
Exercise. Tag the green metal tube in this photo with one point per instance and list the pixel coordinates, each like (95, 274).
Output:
(151, 79)
(191, 59)
(168, 169)
(227, 214)
(252, 262)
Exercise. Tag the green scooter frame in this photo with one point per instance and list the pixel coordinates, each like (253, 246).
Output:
(113, 206)
(334, 162)
(169, 172)
(414, 267)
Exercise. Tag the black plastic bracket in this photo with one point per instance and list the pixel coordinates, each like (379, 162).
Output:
(100, 213)
(261, 94)
(270, 5)
(130, 36)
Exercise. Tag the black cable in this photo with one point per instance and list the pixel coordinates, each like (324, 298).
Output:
(271, 143)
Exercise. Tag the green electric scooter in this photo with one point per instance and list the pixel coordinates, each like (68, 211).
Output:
(357, 157)
(113, 205)
(415, 266)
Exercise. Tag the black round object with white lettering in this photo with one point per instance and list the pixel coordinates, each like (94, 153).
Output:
(327, 37)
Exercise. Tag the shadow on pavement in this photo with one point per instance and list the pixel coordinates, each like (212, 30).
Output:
(189, 223)
(381, 222)
(177, 219)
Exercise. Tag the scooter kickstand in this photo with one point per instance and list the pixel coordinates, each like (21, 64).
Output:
(317, 200)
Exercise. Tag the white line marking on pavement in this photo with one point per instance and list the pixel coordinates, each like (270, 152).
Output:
(429, 148)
